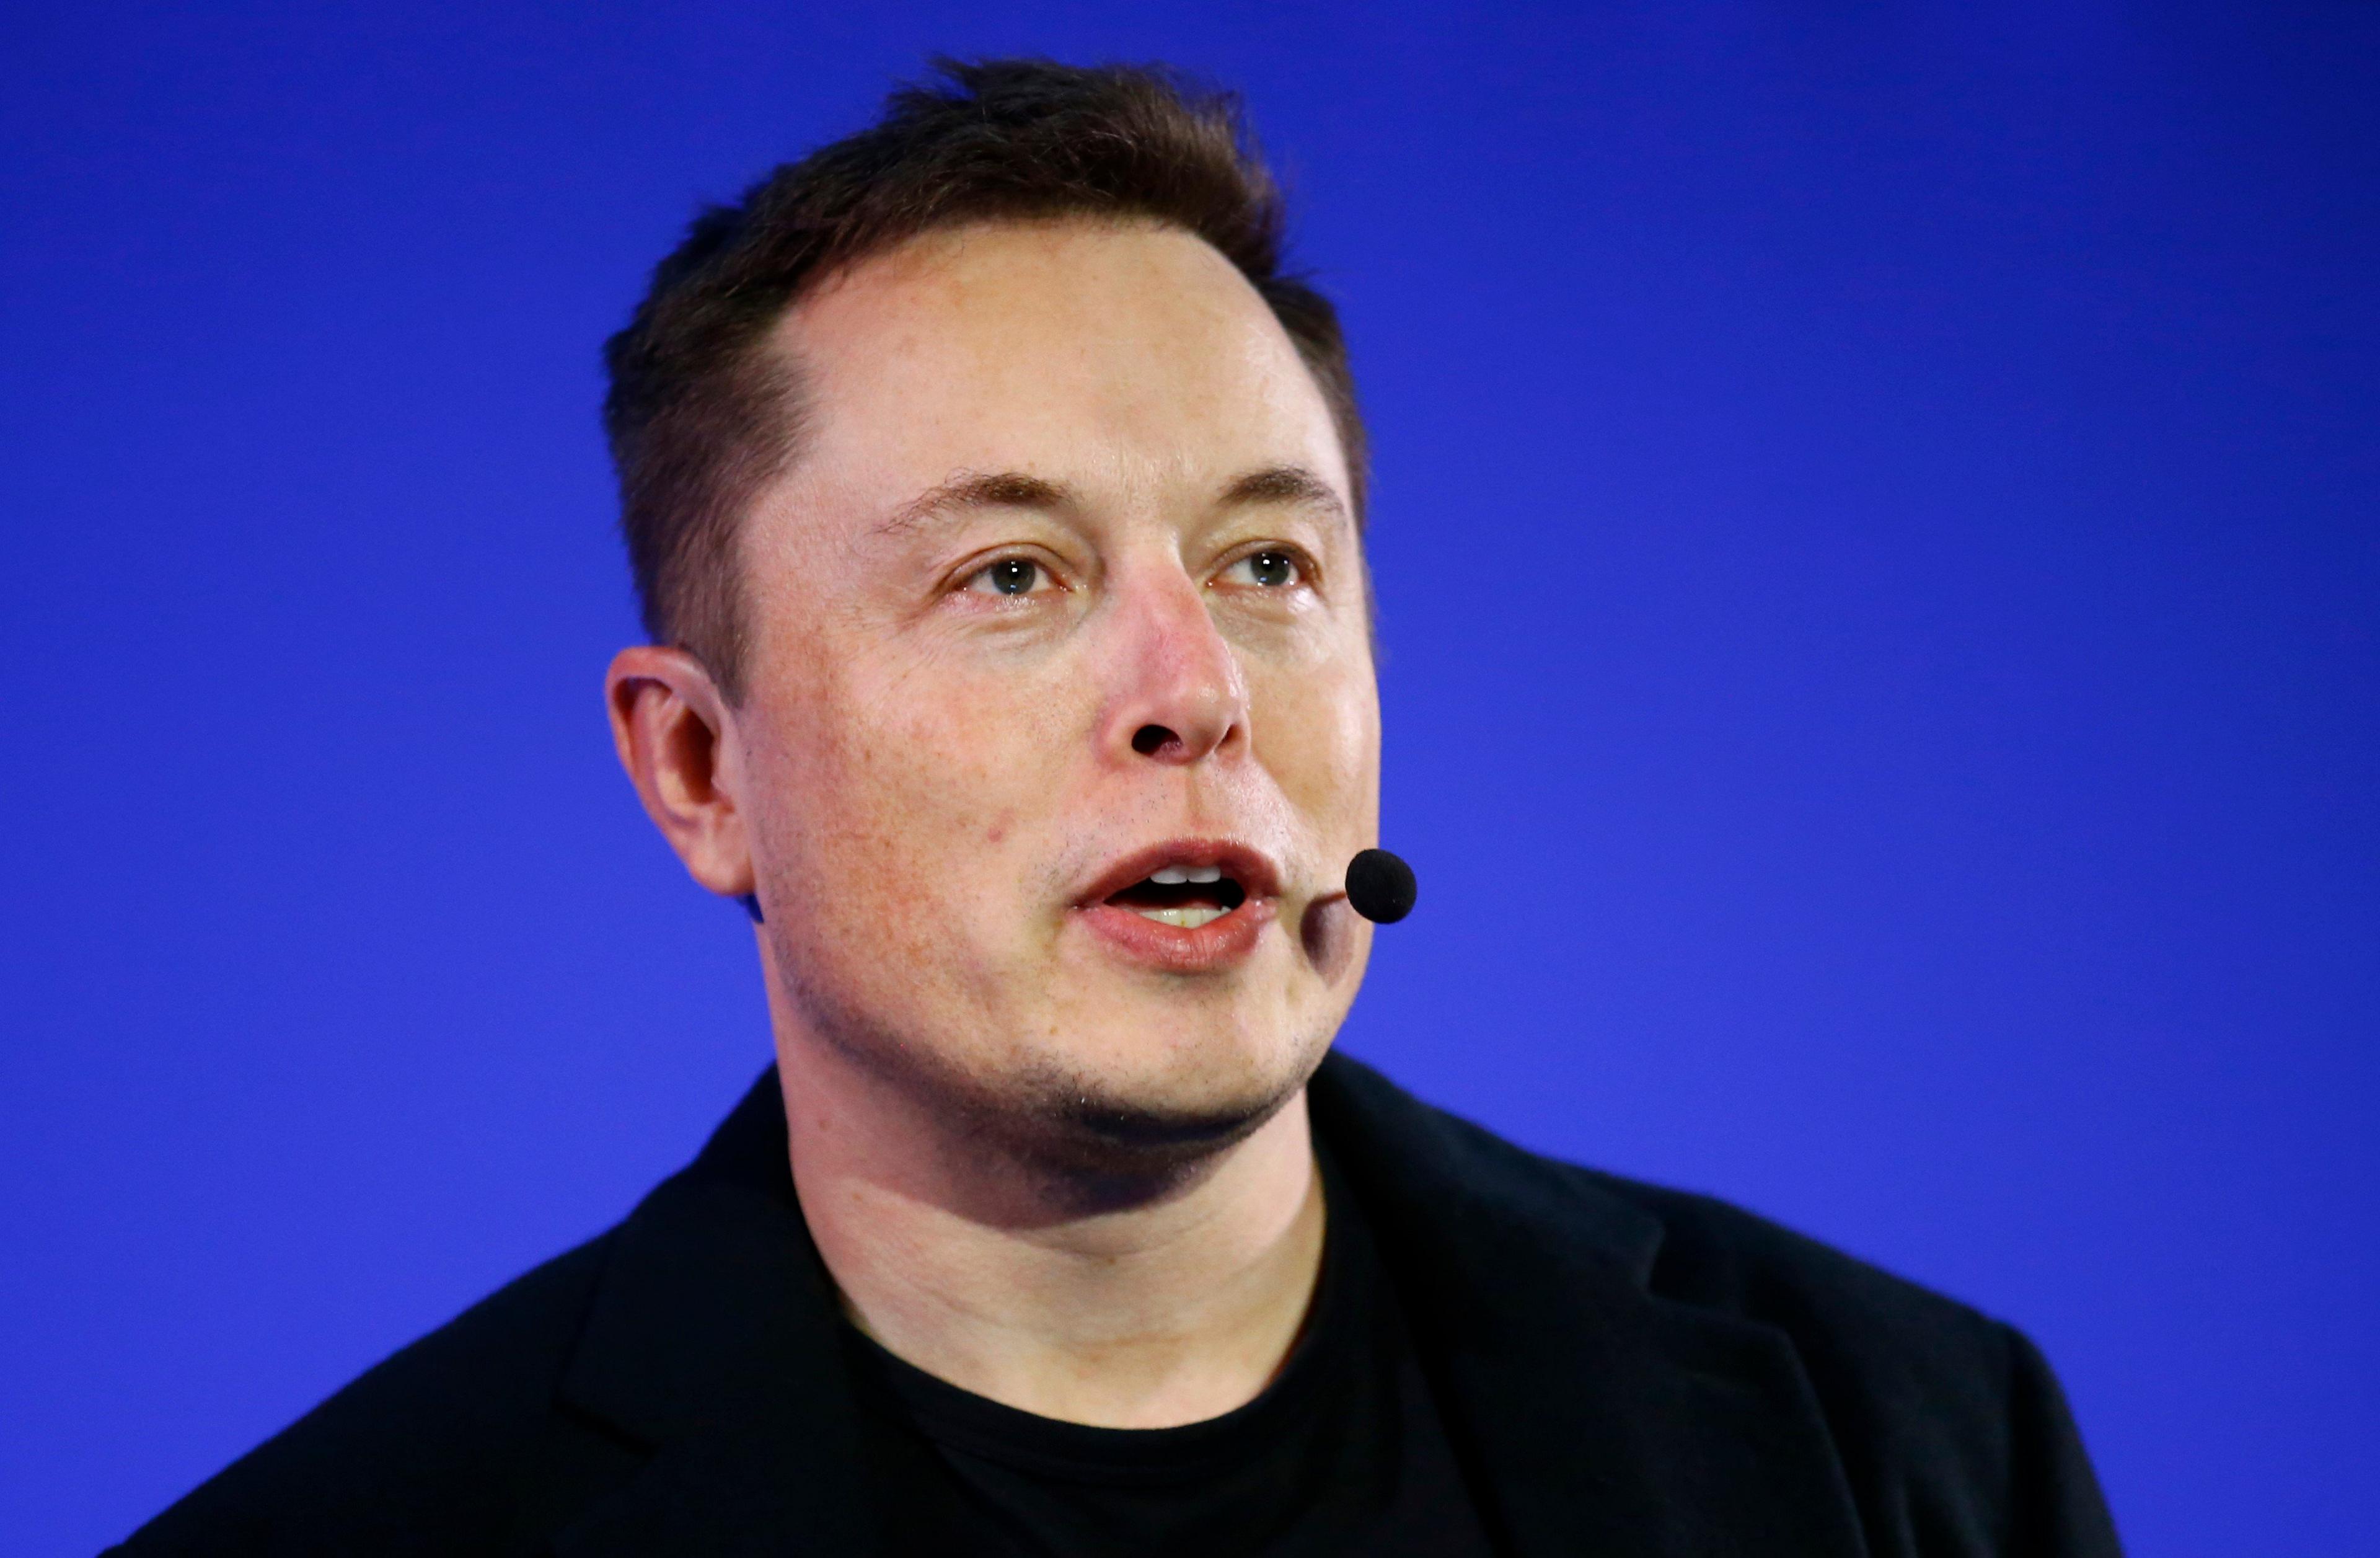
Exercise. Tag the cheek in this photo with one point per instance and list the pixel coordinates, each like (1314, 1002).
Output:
(919, 785)
(1317, 732)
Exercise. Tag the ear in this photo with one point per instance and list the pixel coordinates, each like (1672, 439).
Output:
(676, 738)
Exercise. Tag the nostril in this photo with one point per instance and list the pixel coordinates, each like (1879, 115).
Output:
(1151, 739)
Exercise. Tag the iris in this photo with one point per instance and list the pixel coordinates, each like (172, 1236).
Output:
(1271, 569)
(1012, 576)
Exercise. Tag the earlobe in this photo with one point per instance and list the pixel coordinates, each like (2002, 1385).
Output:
(674, 736)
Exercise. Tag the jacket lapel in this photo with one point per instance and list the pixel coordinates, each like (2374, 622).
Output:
(712, 1344)
(1594, 1416)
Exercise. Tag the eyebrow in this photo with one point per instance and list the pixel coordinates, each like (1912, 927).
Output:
(1004, 489)
(1014, 489)
(1284, 484)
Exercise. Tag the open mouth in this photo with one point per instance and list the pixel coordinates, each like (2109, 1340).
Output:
(1183, 896)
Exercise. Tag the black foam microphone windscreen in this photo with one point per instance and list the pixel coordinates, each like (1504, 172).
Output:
(1380, 887)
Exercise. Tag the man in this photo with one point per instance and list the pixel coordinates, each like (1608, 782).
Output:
(996, 500)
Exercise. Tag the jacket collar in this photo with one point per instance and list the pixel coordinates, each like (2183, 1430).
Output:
(711, 1343)
(1592, 1415)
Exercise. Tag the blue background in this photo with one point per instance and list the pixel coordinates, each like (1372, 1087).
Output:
(1880, 578)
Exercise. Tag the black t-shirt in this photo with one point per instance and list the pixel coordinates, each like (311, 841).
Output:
(1343, 1454)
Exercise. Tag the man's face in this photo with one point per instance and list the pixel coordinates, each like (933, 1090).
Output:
(1060, 722)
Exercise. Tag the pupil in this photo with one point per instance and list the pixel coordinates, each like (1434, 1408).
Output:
(1013, 577)
(1270, 568)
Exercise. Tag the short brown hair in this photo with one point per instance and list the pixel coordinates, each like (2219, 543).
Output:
(699, 416)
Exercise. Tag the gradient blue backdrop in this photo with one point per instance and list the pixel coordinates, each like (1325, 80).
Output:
(1881, 586)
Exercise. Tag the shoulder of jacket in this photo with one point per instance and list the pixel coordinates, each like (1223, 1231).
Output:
(421, 1451)
(1912, 1380)
(1687, 1247)
(1714, 1253)
(1877, 1346)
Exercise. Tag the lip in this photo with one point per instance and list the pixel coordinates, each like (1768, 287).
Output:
(1221, 942)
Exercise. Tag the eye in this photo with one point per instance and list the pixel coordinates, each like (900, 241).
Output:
(1270, 569)
(1009, 576)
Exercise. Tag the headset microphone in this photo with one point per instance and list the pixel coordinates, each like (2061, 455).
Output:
(1380, 887)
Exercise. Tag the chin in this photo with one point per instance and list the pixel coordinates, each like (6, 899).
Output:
(1117, 1148)
(1105, 1087)
(1162, 1118)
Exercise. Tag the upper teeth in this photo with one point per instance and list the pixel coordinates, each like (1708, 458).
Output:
(1176, 876)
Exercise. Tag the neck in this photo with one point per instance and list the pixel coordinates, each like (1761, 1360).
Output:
(1146, 1308)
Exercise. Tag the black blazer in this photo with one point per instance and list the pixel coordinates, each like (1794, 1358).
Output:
(1623, 1369)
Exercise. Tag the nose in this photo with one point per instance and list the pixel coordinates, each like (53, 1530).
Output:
(1177, 695)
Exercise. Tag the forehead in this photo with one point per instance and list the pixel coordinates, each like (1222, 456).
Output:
(1098, 353)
